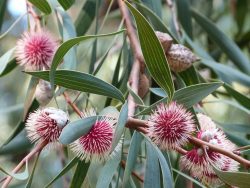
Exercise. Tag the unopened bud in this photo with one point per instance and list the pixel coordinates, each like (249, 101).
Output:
(180, 58)
(43, 92)
(165, 39)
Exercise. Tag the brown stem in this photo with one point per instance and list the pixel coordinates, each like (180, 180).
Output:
(123, 164)
(212, 147)
(181, 150)
(202, 143)
(37, 149)
(34, 15)
(73, 106)
(138, 65)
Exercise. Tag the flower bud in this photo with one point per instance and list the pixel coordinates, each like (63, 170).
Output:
(165, 39)
(43, 92)
(180, 58)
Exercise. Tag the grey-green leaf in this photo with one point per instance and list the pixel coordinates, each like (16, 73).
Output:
(153, 53)
(66, 46)
(42, 6)
(81, 82)
(76, 129)
(226, 44)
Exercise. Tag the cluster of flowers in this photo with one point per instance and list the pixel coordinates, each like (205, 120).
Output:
(170, 126)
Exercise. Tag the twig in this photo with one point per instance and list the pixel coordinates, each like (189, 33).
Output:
(138, 65)
(73, 106)
(37, 149)
(34, 15)
(123, 164)
(202, 143)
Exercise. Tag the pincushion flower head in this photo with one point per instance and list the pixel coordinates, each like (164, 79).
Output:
(46, 125)
(197, 162)
(96, 145)
(35, 50)
(170, 126)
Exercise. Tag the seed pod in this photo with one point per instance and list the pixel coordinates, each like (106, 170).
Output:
(165, 39)
(43, 93)
(180, 58)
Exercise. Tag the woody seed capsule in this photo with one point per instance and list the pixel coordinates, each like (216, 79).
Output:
(180, 58)
(165, 39)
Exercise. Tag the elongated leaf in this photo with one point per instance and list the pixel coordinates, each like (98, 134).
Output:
(85, 18)
(242, 99)
(20, 176)
(66, 46)
(69, 166)
(153, 53)
(226, 44)
(158, 91)
(156, 22)
(187, 96)
(76, 129)
(131, 159)
(2, 11)
(81, 82)
(108, 171)
(120, 124)
(42, 5)
(80, 174)
(184, 15)
(189, 178)
(19, 144)
(152, 173)
(66, 4)
(155, 6)
(5, 59)
(136, 97)
(28, 185)
(9, 67)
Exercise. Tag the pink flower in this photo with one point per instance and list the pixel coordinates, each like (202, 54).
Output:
(170, 126)
(46, 124)
(35, 50)
(197, 163)
(96, 145)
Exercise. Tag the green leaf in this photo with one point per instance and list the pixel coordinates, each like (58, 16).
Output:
(76, 129)
(28, 185)
(136, 97)
(122, 120)
(5, 60)
(152, 172)
(9, 67)
(155, 6)
(189, 178)
(66, 46)
(19, 144)
(158, 91)
(166, 173)
(187, 96)
(85, 17)
(3, 4)
(225, 44)
(155, 21)
(242, 99)
(80, 174)
(131, 159)
(69, 166)
(153, 53)
(108, 171)
(190, 76)
(42, 5)
(81, 82)
(20, 176)
(184, 16)
(239, 179)
(66, 4)
(68, 32)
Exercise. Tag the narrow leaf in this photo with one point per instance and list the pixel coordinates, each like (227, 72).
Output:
(81, 82)
(66, 4)
(136, 97)
(225, 43)
(5, 59)
(28, 185)
(76, 129)
(42, 5)
(153, 53)
(66, 46)
(80, 174)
